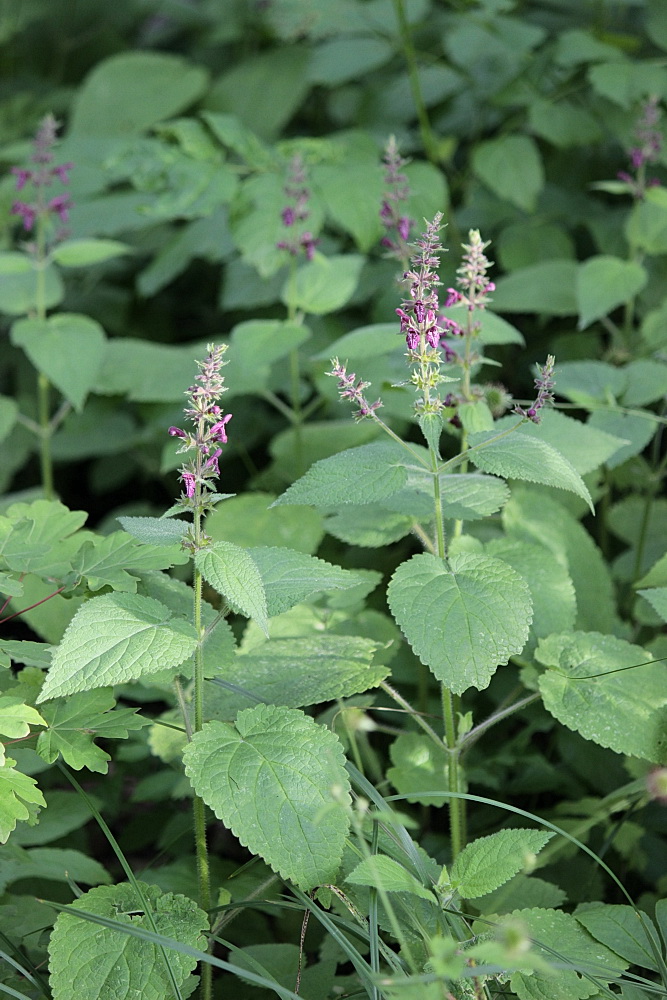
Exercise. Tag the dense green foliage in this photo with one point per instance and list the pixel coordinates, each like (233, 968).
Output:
(405, 676)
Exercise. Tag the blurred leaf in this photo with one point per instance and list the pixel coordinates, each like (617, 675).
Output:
(603, 283)
(511, 167)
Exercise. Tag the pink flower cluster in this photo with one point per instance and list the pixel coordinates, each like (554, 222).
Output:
(297, 212)
(41, 176)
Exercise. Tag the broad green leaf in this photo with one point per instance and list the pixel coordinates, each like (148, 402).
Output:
(657, 598)
(251, 520)
(297, 818)
(563, 123)
(155, 530)
(64, 813)
(281, 963)
(463, 619)
(323, 284)
(32, 654)
(75, 723)
(388, 876)
(234, 135)
(369, 525)
(8, 413)
(534, 517)
(420, 769)
(520, 456)
(626, 82)
(511, 167)
(128, 92)
(352, 193)
(620, 928)
(488, 862)
(372, 341)
(148, 372)
(91, 962)
(53, 863)
(41, 537)
(19, 798)
(111, 560)
(117, 638)
(547, 288)
(339, 60)
(471, 497)
(533, 241)
(17, 718)
(254, 346)
(522, 891)
(635, 429)
(583, 445)
(646, 226)
(290, 577)
(561, 932)
(605, 282)
(590, 381)
(359, 475)
(587, 689)
(646, 382)
(23, 288)
(67, 348)
(296, 671)
(656, 576)
(233, 572)
(84, 253)
(318, 440)
(550, 584)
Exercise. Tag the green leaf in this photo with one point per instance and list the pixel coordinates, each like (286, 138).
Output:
(146, 372)
(563, 123)
(590, 381)
(583, 445)
(64, 813)
(232, 571)
(41, 537)
(646, 382)
(489, 862)
(625, 82)
(657, 598)
(19, 797)
(297, 820)
(128, 92)
(550, 584)
(339, 60)
(53, 863)
(17, 718)
(619, 927)
(359, 475)
(520, 456)
(522, 891)
(605, 282)
(75, 724)
(511, 167)
(8, 414)
(463, 619)
(561, 932)
(547, 288)
(329, 667)
(369, 525)
(110, 561)
(23, 288)
(420, 769)
(373, 341)
(251, 520)
(67, 348)
(388, 876)
(91, 962)
(646, 227)
(352, 193)
(637, 430)
(84, 253)
(587, 689)
(290, 577)
(117, 638)
(255, 346)
(155, 530)
(471, 497)
(324, 284)
(532, 516)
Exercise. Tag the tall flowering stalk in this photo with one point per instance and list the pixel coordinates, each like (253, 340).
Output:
(646, 150)
(397, 223)
(43, 214)
(204, 442)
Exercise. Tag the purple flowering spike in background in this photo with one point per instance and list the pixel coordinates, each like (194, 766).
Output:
(296, 212)
(39, 178)
(397, 223)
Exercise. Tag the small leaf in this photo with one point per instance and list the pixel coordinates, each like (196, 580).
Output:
(235, 575)
(19, 798)
(53, 863)
(90, 962)
(619, 927)
(511, 167)
(547, 288)
(388, 876)
(324, 284)
(605, 282)
(420, 769)
(587, 689)
(463, 619)
(290, 577)
(488, 862)
(24, 288)
(293, 765)
(17, 718)
(117, 638)
(155, 530)
(657, 598)
(359, 475)
(520, 456)
(84, 253)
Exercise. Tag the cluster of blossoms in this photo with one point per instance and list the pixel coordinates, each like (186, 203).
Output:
(648, 144)
(40, 176)
(209, 427)
(396, 223)
(473, 284)
(544, 383)
(351, 388)
(296, 213)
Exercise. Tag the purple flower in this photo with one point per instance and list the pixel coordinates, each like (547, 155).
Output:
(40, 177)
(349, 389)
(544, 383)
(418, 314)
(648, 144)
(298, 192)
(396, 223)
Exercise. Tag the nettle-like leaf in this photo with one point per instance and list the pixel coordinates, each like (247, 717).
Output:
(290, 577)
(386, 874)
(420, 769)
(584, 446)
(520, 456)
(359, 475)
(53, 863)
(117, 638)
(657, 598)
(605, 282)
(90, 962)
(278, 781)
(85, 252)
(109, 560)
(605, 689)
(489, 862)
(370, 525)
(20, 798)
(39, 537)
(463, 619)
(296, 672)
(74, 724)
(155, 530)
(562, 934)
(324, 284)
(619, 928)
(233, 572)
